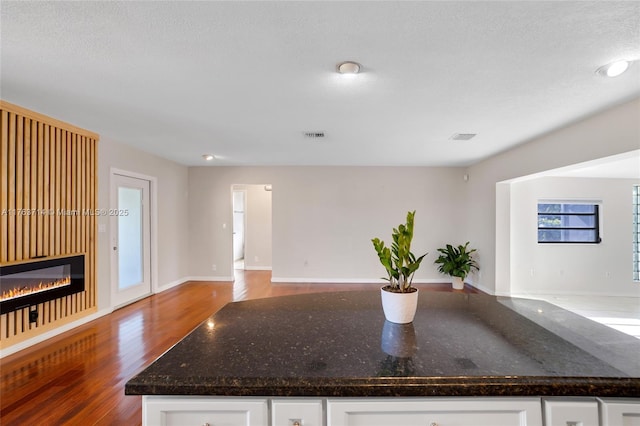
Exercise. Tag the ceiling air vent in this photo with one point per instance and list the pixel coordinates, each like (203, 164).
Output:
(462, 136)
(314, 135)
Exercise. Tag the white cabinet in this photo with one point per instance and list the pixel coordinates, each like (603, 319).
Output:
(434, 412)
(571, 412)
(201, 411)
(297, 412)
(428, 411)
(620, 412)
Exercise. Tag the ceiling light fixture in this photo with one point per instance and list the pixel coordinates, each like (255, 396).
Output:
(462, 136)
(348, 67)
(208, 157)
(613, 69)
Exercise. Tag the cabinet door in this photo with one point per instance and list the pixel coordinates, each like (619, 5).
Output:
(620, 412)
(435, 412)
(200, 411)
(304, 412)
(558, 412)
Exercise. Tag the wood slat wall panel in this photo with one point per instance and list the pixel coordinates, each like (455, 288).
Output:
(34, 193)
(19, 185)
(93, 234)
(83, 203)
(4, 186)
(40, 192)
(63, 191)
(51, 190)
(26, 223)
(45, 194)
(11, 192)
(48, 191)
(57, 186)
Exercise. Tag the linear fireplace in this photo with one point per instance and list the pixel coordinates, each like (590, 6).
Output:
(36, 281)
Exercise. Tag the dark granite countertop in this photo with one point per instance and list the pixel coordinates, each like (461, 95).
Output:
(339, 344)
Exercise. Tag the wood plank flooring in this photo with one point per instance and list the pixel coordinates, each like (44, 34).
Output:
(78, 378)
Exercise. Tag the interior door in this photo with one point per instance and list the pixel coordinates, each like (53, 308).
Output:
(131, 239)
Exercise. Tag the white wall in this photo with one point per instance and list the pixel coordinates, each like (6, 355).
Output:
(611, 132)
(324, 217)
(172, 236)
(604, 268)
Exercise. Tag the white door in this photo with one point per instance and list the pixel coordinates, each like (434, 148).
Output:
(131, 239)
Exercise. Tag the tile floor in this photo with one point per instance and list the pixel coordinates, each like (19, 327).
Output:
(620, 313)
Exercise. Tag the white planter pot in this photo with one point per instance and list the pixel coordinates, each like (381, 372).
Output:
(399, 308)
(457, 283)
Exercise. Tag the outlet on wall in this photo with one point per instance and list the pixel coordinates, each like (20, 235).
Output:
(214, 267)
(256, 259)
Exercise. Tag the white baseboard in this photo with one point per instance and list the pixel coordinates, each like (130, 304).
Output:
(257, 268)
(485, 289)
(276, 280)
(568, 293)
(212, 278)
(172, 284)
(52, 333)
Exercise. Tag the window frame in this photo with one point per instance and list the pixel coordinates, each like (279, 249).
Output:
(595, 214)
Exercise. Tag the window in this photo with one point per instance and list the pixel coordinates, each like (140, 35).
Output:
(568, 223)
(636, 233)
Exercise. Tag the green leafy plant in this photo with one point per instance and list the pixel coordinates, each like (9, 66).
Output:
(456, 261)
(398, 260)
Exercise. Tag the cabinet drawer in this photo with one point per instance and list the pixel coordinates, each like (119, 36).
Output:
(199, 411)
(435, 411)
(620, 412)
(307, 412)
(571, 412)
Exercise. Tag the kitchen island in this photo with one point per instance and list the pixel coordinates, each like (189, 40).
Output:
(337, 348)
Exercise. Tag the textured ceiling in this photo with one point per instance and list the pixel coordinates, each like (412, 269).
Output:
(245, 80)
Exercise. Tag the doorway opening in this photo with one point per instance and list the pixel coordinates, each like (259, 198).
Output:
(239, 198)
(252, 210)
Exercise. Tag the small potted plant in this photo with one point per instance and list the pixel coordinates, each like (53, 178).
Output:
(456, 262)
(399, 298)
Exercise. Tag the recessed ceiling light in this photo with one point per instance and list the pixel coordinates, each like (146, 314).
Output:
(208, 157)
(613, 69)
(462, 136)
(348, 67)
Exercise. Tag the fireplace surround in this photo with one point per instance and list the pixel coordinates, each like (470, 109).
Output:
(39, 280)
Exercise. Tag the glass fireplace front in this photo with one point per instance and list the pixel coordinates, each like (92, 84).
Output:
(37, 281)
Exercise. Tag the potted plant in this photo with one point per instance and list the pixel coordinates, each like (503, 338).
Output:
(456, 262)
(399, 298)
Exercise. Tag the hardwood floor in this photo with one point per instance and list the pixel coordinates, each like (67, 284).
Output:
(78, 377)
